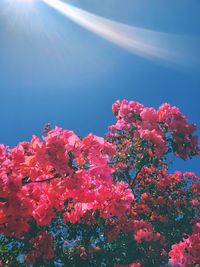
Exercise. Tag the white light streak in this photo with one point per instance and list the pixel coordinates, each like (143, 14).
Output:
(149, 44)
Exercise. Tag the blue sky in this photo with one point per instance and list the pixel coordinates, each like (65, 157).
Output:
(52, 70)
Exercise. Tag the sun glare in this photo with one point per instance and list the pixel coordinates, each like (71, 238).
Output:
(159, 46)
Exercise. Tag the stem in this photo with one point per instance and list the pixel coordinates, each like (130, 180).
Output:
(26, 181)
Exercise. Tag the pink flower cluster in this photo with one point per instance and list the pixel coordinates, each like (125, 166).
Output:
(120, 185)
(155, 127)
(38, 177)
(187, 252)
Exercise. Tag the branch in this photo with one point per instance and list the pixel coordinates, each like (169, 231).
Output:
(27, 181)
(144, 160)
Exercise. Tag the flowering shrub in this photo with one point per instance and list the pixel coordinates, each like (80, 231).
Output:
(93, 201)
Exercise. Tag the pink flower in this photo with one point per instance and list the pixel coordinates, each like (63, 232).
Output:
(150, 115)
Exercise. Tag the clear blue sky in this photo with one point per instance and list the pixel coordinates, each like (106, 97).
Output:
(52, 70)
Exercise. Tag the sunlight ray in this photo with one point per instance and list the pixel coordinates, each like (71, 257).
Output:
(169, 48)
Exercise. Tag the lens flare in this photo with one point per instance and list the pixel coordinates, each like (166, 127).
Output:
(168, 48)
